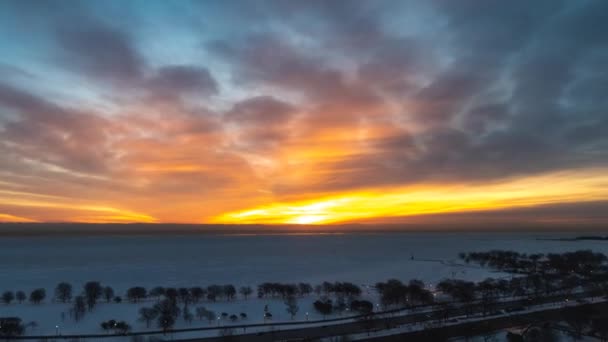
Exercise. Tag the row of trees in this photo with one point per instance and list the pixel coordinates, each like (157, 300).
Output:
(36, 296)
(166, 312)
(544, 274)
(395, 293)
(303, 289)
(93, 292)
(279, 290)
(582, 262)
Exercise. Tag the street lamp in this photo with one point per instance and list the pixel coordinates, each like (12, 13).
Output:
(307, 316)
(218, 321)
(57, 330)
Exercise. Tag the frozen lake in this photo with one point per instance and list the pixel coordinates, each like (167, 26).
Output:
(200, 260)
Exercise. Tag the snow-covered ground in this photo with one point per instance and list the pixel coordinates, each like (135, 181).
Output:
(27, 263)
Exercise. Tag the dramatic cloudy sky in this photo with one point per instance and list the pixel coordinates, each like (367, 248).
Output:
(303, 111)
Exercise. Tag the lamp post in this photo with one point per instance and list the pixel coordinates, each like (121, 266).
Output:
(57, 330)
(307, 316)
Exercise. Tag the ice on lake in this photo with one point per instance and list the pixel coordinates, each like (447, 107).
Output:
(200, 260)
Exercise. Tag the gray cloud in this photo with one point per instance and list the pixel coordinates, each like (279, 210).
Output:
(186, 79)
(101, 52)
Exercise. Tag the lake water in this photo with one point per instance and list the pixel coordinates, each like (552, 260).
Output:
(190, 260)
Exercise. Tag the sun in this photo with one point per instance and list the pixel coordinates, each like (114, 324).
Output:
(307, 219)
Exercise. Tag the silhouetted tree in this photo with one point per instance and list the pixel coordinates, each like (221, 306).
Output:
(214, 292)
(393, 292)
(118, 326)
(184, 294)
(168, 311)
(157, 292)
(246, 291)
(197, 293)
(37, 296)
(324, 306)
(108, 294)
(92, 292)
(229, 291)
(171, 294)
(105, 326)
(78, 308)
(234, 317)
(147, 315)
(8, 296)
(63, 292)
(122, 327)
(304, 289)
(489, 294)
(459, 290)
(11, 327)
(20, 296)
(276, 290)
(137, 293)
(118, 299)
(417, 294)
(292, 306)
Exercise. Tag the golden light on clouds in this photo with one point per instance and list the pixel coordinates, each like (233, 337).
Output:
(562, 187)
(13, 218)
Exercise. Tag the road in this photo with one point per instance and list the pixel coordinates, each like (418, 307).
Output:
(365, 325)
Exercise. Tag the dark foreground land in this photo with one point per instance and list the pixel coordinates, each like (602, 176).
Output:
(507, 315)
(470, 329)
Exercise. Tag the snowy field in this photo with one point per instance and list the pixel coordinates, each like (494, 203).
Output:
(27, 263)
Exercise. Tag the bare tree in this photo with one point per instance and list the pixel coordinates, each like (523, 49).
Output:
(93, 292)
(246, 291)
(147, 315)
(137, 293)
(21, 296)
(108, 294)
(168, 311)
(37, 296)
(79, 308)
(157, 292)
(8, 296)
(63, 292)
(292, 306)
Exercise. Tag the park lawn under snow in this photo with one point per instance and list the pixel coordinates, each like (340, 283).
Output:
(48, 315)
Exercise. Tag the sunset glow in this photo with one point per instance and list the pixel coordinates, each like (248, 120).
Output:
(560, 188)
(306, 113)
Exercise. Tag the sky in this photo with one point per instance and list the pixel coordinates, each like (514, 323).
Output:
(305, 112)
